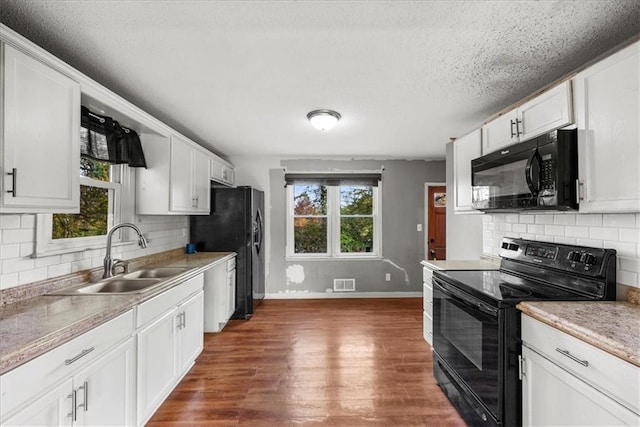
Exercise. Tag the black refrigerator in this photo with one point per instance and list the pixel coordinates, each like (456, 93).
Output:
(236, 224)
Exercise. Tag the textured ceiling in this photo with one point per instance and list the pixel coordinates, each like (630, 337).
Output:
(239, 77)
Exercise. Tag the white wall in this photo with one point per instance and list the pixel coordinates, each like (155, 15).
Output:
(17, 241)
(616, 231)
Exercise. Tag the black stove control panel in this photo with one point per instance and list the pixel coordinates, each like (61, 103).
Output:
(581, 260)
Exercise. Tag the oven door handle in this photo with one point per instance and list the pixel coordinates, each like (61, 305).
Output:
(466, 299)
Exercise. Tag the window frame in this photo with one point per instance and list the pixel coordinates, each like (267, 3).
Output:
(333, 227)
(120, 211)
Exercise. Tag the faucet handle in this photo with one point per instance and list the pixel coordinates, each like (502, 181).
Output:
(120, 263)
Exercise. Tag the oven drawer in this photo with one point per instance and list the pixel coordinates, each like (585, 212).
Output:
(605, 372)
(427, 298)
(427, 328)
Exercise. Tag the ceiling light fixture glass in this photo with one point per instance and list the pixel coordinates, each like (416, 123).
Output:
(323, 119)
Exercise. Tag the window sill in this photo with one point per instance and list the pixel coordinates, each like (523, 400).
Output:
(329, 258)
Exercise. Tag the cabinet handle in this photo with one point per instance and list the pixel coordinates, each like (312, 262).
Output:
(184, 319)
(14, 174)
(572, 357)
(513, 134)
(74, 412)
(179, 317)
(518, 131)
(85, 390)
(82, 354)
(579, 186)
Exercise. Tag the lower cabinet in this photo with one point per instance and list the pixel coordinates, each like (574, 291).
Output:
(569, 382)
(219, 295)
(170, 337)
(88, 381)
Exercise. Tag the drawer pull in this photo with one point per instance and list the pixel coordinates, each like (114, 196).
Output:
(82, 354)
(572, 357)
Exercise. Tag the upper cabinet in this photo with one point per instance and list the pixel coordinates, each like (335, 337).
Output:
(550, 110)
(465, 149)
(176, 180)
(607, 102)
(221, 172)
(40, 136)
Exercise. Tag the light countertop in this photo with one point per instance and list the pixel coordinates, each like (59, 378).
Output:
(612, 326)
(36, 325)
(482, 264)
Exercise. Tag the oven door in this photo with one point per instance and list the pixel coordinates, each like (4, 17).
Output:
(466, 335)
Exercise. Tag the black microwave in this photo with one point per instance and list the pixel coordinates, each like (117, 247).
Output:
(540, 173)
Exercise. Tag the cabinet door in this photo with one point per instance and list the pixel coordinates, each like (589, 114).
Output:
(499, 133)
(607, 102)
(52, 409)
(105, 390)
(465, 149)
(41, 137)
(156, 364)
(231, 294)
(547, 111)
(201, 182)
(190, 331)
(181, 196)
(552, 396)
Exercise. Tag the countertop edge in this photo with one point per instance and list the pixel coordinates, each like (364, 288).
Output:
(582, 333)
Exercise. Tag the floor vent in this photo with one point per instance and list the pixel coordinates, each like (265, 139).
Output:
(344, 285)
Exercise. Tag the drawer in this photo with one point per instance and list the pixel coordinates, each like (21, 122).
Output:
(23, 383)
(427, 328)
(611, 375)
(155, 307)
(231, 264)
(427, 274)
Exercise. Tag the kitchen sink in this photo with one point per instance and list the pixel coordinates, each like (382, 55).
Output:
(154, 273)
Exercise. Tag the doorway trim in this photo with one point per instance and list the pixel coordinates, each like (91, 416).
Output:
(425, 193)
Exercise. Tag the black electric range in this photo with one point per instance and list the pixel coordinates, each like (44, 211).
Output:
(476, 327)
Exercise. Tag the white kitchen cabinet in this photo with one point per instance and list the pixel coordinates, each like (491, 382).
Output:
(220, 295)
(169, 340)
(427, 304)
(87, 381)
(177, 178)
(566, 381)
(607, 101)
(40, 136)
(550, 110)
(465, 149)
(190, 331)
(221, 172)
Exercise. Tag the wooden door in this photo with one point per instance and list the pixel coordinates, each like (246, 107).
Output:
(436, 237)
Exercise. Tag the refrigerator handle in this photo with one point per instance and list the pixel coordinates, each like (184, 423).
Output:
(257, 238)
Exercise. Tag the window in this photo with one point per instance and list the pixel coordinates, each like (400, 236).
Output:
(101, 192)
(337, 221)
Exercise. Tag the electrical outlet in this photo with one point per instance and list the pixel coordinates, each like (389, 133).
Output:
(387, 277)
(184, 232)
(419, 227)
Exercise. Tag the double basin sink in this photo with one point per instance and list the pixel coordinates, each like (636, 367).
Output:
(128, 283)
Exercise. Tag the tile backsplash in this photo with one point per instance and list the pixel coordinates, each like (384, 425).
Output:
(17, 243)
(615, 231)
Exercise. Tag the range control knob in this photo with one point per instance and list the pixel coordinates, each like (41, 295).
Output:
(574, 256)
(589, 259)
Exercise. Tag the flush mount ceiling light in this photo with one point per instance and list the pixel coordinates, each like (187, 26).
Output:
(323, 119)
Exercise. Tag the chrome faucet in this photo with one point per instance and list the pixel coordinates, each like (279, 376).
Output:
(108, 261)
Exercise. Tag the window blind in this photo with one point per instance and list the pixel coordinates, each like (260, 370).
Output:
(333, 179)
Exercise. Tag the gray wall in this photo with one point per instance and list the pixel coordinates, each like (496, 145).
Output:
(402, 245)
(464, 231)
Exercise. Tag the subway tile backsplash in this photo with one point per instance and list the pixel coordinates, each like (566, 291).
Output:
(616, 231)
(17, 243)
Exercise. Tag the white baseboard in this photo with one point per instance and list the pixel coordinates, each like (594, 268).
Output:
(328, 295)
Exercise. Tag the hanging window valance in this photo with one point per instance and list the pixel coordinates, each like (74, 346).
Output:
(333, 179)
(102, 138)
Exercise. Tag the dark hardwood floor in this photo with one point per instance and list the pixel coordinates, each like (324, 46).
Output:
(332, 362)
